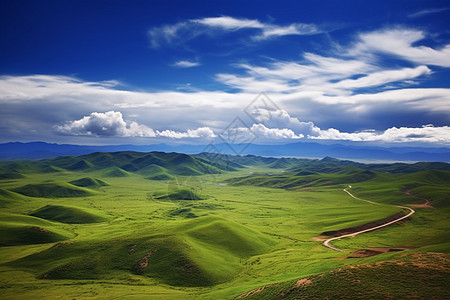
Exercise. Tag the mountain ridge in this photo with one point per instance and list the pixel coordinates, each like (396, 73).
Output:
(41, 150)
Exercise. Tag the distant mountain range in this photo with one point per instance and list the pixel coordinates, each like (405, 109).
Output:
(40, 150)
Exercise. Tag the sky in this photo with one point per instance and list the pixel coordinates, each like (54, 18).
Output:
(195, 72)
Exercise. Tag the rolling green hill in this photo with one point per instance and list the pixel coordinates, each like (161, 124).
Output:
(69, 214)
(116, 172)
(179, 194)
(89, 182)
(8, 197)
(305, 179)
(195, 254)
(52, 190)
(404, 279)
(11, 175)
(25, 230)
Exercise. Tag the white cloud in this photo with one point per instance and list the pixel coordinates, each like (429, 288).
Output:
(182, 32)
(418, 98)
(318, 88)
(186, 64)
(279, 118)
(399, 42)
(252, 85)
(325, 75)
(171, 34)
(203, 132)
(110, 123)
(428, 12)
(229, 23)
(274, 133)
(293, 128)
(383, 77)
(270, 31)
(426, 133)
(291, 76)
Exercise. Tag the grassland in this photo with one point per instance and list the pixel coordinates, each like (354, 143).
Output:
(134, 226)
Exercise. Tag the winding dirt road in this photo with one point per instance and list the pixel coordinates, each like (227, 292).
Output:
(327, 242)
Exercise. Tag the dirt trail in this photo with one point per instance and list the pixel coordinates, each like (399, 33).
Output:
(327, 242)
(426, 204)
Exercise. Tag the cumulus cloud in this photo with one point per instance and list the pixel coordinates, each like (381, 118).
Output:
(274, 133)
(274, 117)
(110, 123)
(293, 128)
(182, 32)
(426, 133)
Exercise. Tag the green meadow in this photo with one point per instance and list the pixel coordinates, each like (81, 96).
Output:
(131, 225)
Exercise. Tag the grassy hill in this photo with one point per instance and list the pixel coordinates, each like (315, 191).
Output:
(52, 190)
(194, 254)
(89, 182)
(8, 197)
(11, 175)
(408, 278)
(69, 214)
(155, 172)
(305, 179)
(25, 230)
(116, 172)
(179, 194)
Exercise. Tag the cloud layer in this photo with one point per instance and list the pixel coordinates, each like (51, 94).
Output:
(337, 95)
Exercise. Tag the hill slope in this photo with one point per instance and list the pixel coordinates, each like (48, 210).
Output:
(383, 280)
(68, 214)
(191, 255)
(52, 190)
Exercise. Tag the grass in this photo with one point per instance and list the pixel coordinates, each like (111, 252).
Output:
(69, 214)
(25, 230)
(89, 182)
(382, 280)
(216, 230)
(178, 194)
(52, 190)
(116, 172)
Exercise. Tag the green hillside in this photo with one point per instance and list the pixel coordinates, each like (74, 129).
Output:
(68, 214)
(89, 182)
(11, 175)
(179, 194)
(116, 172)
(25, 230)
(408, 278)
(194, 255)
(8, 197)
(52, 190)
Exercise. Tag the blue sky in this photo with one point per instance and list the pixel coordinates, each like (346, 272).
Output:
(146, 72)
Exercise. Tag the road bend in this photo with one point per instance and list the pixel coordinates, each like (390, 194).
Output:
(327, 242)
